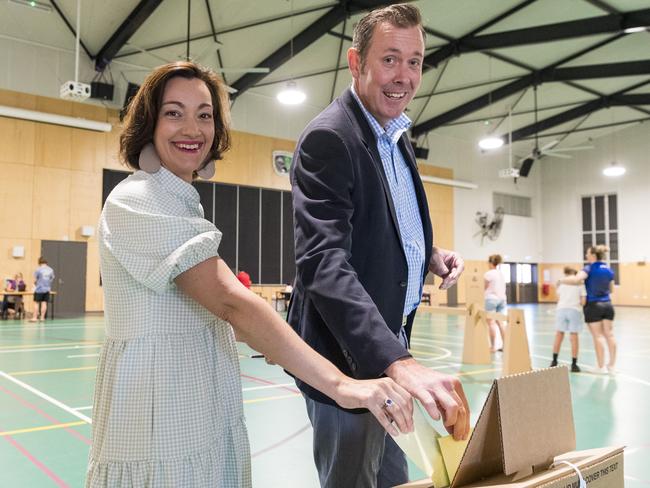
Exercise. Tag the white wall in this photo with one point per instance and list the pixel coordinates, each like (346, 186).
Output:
(520, 237)
(564, 181)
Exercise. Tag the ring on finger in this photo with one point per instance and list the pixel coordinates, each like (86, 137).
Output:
(388, 403)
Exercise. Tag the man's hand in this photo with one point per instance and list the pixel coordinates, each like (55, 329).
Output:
(446, 264)
(439, 394)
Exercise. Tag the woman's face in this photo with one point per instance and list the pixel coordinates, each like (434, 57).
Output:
(590, 257)
(19, 277)
(185, 127)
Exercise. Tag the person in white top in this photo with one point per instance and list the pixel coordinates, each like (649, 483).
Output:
(568, 318)
(495, 298)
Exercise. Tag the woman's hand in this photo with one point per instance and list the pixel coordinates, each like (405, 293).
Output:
(391, 404)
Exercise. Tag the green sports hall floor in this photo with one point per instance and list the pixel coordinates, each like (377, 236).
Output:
(47, 374)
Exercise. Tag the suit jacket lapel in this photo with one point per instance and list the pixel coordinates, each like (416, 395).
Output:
(370, 142)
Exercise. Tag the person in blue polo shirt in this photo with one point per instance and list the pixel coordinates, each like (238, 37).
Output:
(599, 312)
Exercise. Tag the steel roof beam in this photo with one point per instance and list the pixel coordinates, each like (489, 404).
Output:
(616, 99)
(304, 39)
(590, 26)
(131, 24)
(546, 75)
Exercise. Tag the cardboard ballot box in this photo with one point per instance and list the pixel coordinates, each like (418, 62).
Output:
(524, 438)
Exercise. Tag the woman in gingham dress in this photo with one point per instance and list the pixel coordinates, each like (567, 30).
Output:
(168, 406)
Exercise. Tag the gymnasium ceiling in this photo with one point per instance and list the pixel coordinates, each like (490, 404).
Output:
(483, 57)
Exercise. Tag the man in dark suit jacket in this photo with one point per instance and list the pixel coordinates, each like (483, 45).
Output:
(364, 243)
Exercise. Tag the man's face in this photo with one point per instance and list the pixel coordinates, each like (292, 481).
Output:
(392, 71)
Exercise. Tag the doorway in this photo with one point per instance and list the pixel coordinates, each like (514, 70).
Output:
(68, 260)
(521, 282)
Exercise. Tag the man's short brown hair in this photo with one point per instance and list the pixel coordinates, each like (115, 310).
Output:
(401, 15)
(144, 108)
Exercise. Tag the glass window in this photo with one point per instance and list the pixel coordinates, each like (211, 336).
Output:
(613, 246)
(586, 213)
(599, 204)
(612, 211)
(505, 271)
(524, 274)
(587, 242)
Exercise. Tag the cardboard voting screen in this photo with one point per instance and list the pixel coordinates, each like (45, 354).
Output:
(525, 423)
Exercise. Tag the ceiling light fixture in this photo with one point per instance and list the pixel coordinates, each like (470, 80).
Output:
(490, 142)
(632, 30)
(614, 170)
(33, 4)
(291, 95)
(49, 118)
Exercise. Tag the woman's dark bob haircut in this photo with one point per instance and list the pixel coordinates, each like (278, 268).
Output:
(143, 110)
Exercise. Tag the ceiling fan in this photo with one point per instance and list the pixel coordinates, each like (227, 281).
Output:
(547, 149)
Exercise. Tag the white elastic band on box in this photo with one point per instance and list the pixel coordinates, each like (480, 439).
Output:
(583, 483)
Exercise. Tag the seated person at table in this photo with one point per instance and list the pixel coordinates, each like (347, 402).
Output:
(13, 304)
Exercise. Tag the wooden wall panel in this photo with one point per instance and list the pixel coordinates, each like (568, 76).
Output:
(85, 202)
(112, 141)
(471, 281)
(249, 162)
(51, 204)
(17, 99)
(55, 106)
(441, 205)
(635, 285)
(17, 141)
(88, 150)
(58, 170)
(16, 196)
(53, 146)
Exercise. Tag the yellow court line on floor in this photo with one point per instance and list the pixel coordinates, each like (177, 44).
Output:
(268, 399)
(52, 344)
(43, 371)
(38, 429)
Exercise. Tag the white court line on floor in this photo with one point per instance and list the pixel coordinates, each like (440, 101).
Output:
(90, 407)
(427, 342)
(591, 369)
(46, 397)
(266, 387)
(63, 348)
(84, 355)
(50, 327)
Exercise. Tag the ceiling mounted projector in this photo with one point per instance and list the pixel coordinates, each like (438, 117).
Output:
(509, 173)
(75, 90)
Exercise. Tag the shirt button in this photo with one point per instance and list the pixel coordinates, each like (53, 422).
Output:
(402, 284)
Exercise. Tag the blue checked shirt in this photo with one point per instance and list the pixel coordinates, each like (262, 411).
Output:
(405, 201)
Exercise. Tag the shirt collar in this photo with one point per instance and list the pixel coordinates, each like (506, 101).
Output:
(393, 130)
(176, 185)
